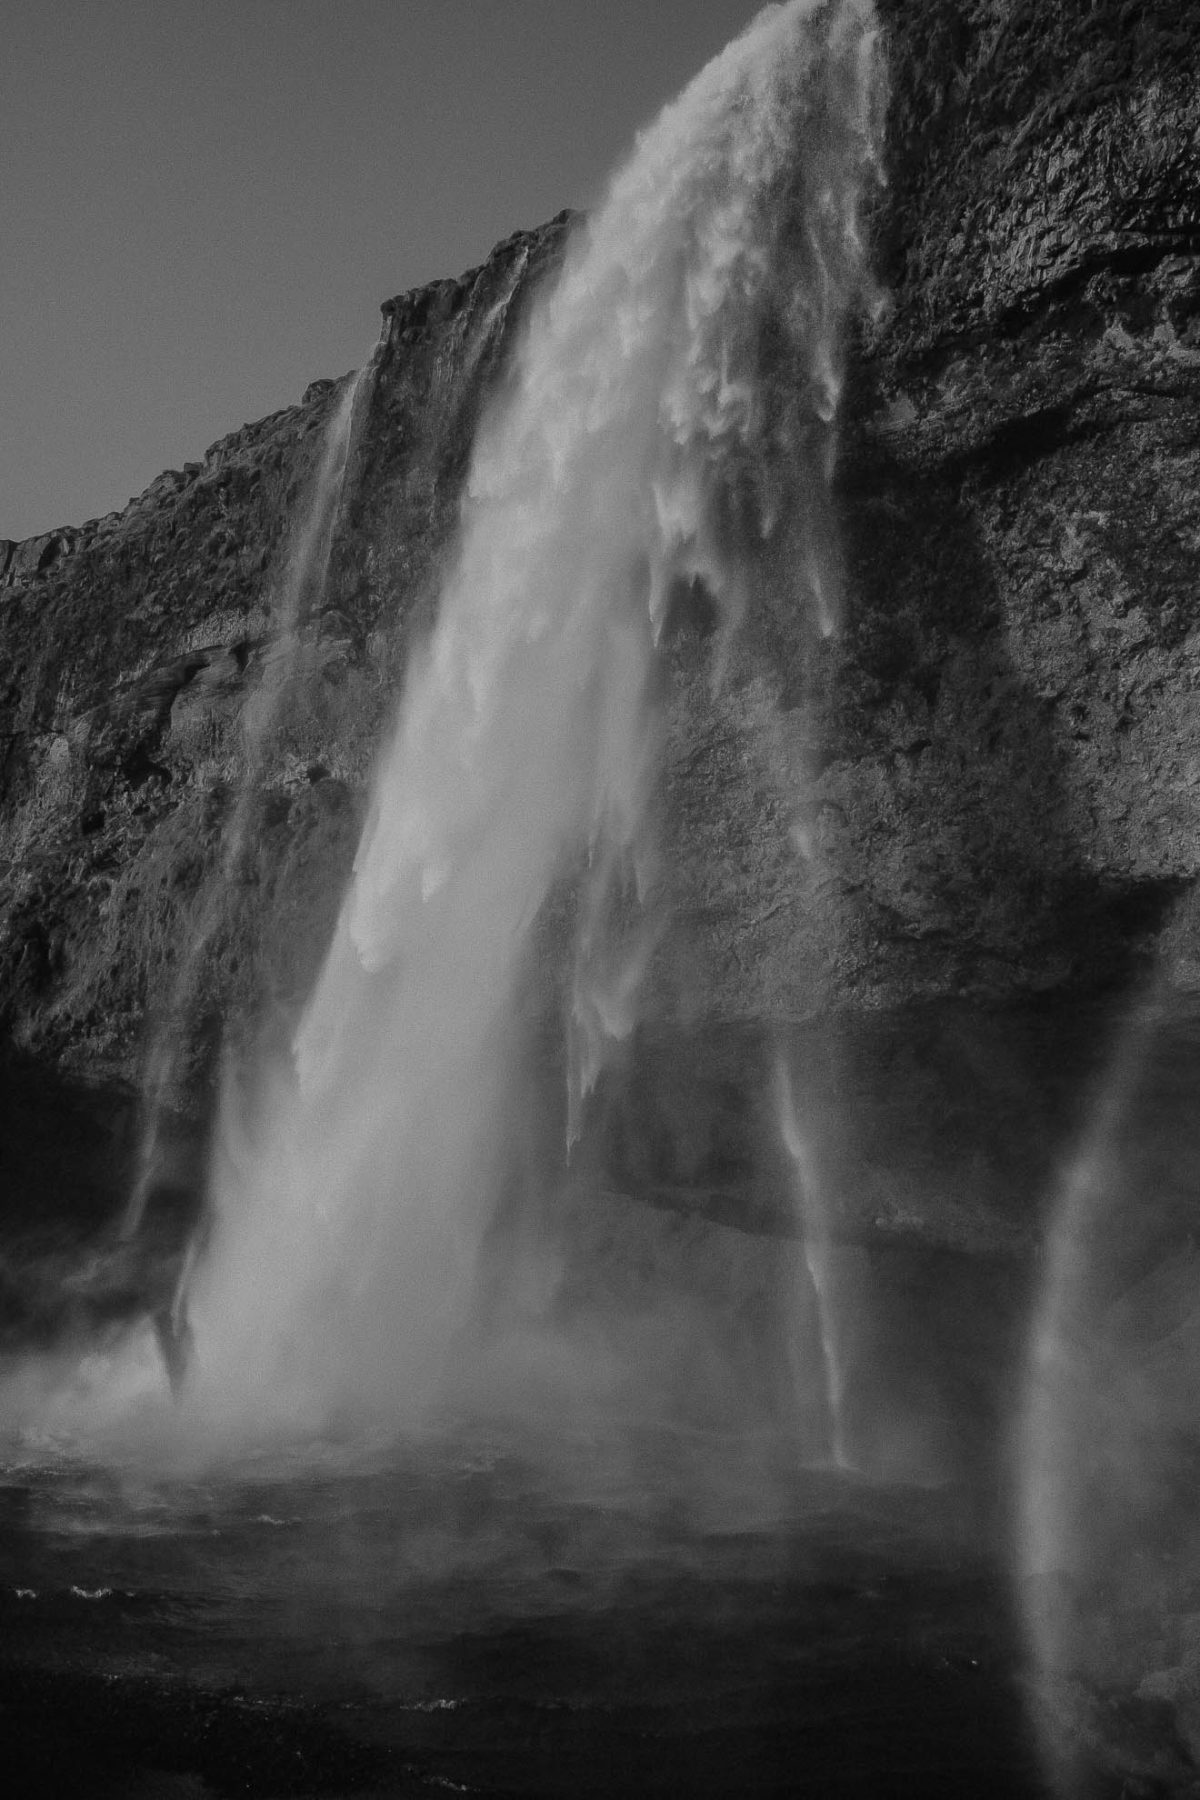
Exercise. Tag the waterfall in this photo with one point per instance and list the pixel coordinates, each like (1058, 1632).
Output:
(298, 594)
(636, 447)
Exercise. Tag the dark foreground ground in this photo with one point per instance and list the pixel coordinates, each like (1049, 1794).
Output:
(456, 1622)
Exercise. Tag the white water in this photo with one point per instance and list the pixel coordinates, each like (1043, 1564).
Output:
(298, 594)
(636, 446)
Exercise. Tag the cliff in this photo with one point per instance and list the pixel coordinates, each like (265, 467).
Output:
(984, 788)
(1006, 742)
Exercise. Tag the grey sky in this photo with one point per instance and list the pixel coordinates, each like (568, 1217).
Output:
(202, 202)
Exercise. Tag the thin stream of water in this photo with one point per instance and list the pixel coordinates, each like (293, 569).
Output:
(298, 595)
(1108, 1539)
(816, 1239)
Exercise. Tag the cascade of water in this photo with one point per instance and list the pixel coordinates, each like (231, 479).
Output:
(816, 1229)
(298, 593)
(636, 446)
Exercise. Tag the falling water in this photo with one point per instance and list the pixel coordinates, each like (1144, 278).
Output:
(816, 1239)
(1108, 1552)
(297, 597)
(637, 446)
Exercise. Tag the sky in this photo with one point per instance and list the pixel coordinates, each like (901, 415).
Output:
(203, 202)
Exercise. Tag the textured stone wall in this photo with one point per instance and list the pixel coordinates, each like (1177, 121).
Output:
(1018, 697)
(988, 784)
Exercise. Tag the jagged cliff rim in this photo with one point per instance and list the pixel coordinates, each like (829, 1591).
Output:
(419, 308)
(1107, 43)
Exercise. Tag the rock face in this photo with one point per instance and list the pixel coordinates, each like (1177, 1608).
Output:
(984, 788)
(1016, 706)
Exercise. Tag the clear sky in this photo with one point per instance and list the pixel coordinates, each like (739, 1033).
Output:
(202, 202)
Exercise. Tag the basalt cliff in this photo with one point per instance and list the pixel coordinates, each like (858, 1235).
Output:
(974, 809)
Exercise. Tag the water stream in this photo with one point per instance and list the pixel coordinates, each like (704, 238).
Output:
(402, 1476)
(1108, 1541)
(637, 447)
(296, 598)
